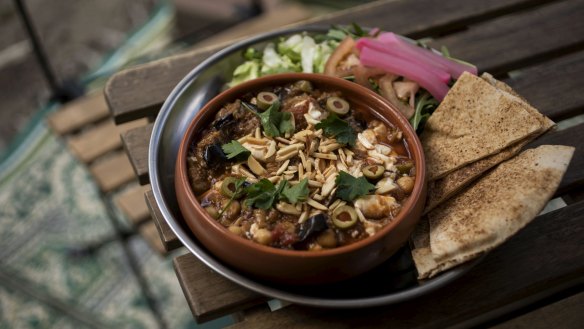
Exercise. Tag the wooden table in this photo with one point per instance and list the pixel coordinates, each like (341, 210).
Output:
(535, 46)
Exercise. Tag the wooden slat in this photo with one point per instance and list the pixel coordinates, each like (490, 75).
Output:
(133, 205)
(78, 113)
(138, 92)
(113, 172)
(136, 145)
(208, 294)
(564, 314)
(573, 136)
(431, 17)
(166, 235)
(543, 260)
(516, 40)
(100, 139)
(95, 142)
(551, 87)
(149, 232)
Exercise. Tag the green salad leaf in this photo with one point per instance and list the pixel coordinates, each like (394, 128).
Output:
(335, 127)
(425, 106)
(234, 150)
(350, 188)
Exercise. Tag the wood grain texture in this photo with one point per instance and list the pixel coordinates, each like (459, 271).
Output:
(208, 294)
(574, 177)
(138, 92)
(132, 204)
(113, 172)
(562, 78)
(542, 260)
(95, 142)
(150, 233)
(135, 143)
(517, 40)
(78, 113)
(166, 235)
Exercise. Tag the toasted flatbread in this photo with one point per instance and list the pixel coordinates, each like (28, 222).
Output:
(474, 120)
(444, 188)
(492, 209)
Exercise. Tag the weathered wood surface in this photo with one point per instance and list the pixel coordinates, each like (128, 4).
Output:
(131, 203)
(135, 143)
(112, 172)
(138, 92)
(542, 260)
(208, 294)
(517, 40)
(79, 113)
(541, 38)
(167, 236)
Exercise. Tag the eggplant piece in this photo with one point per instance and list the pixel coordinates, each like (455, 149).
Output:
(224, 121)
(314, 224)
(214, 154)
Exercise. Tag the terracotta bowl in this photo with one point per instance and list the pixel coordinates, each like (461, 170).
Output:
(293, 266)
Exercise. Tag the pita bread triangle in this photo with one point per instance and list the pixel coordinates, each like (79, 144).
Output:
(491, 210)
(474, 120)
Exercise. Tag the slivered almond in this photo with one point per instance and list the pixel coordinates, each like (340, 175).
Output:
(328, 185)
(246, 173)
(313, 146)
(290, 148)
(325, 156)
(300, 170)
(330, 147)
(287, 156)
(316, 205)
(283, 140)
(255, 166)
(282, 167)
(318, 133)
(314, 183)
(303, 217)
(287, 208)
(290, 172)
(274, 179)
(360, 215)
(258, 133)
(302, 158)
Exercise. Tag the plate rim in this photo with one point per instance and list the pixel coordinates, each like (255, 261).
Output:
(209, 260)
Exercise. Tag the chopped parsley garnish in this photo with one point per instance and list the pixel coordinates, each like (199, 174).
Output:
(350, 188)
(234, 150)
(274, 122)
(295, 193)
(339, 129)
(263, 194)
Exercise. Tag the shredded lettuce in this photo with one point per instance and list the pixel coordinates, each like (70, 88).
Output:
(297, 53)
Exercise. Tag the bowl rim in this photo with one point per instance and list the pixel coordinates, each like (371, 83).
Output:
(370, 98)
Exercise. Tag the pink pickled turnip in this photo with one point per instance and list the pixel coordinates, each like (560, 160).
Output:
(413, 71)
(407, 55)
(454, 68)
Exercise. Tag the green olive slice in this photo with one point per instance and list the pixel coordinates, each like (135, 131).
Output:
(304, 85)
(373, 172)
(404, 168)
(265, 99)
(228, 187)
(337, 105)
(344, 217)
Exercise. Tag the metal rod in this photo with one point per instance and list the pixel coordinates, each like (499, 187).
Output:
(37, 47)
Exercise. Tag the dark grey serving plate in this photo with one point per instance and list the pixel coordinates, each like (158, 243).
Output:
(392, 282)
